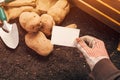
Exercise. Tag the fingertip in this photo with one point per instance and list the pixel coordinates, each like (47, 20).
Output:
(78, 39)
(82, 43)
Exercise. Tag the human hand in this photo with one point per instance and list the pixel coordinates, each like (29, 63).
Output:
(93, 49)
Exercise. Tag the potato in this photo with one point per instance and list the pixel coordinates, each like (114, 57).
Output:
(47, 24)
(59, 10)
(16, 3)
(30, 21)
(118, 48)
(39, 43)
(14, 12)
(72, 26)
(42, 6)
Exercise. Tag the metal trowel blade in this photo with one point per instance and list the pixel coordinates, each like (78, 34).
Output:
(11, 39)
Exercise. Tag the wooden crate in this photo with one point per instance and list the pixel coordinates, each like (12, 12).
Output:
(107, 11)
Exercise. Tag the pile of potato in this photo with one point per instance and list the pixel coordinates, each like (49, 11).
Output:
(56, 8)
(38, 17)
(38, 27)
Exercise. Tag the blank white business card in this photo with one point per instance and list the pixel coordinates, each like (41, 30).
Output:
(64, 36)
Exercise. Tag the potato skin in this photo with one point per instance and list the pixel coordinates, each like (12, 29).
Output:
(71, 26)
(42, 6)
(39, 43)
(47, 24)
(14, 12)
(59, 10)
(30, 21)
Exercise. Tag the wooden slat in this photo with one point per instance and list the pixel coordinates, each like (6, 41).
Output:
(111, 20)
(105, 8)
(114, 3)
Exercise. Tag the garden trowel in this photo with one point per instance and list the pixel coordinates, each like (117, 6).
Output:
(8, 32)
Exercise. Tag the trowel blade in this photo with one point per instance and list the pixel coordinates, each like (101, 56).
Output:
(11, 39)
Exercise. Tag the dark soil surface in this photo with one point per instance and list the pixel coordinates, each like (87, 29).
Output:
(64, 63)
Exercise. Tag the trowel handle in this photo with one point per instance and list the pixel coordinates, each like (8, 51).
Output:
(2, 15)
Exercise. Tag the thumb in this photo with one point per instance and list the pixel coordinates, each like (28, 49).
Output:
(83, 47)
(81, 44)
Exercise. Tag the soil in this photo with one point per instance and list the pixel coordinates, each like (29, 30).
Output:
(64, 63)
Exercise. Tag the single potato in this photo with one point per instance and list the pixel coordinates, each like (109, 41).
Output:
(39, 43)
(14, 12)
(42, 6)
(30, 21)
(47, 24)
(71, 26)
(59, 10)
(16, 3)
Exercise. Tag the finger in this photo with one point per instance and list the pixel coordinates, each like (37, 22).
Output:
(92, 43)
(78, 40)
(83, 47)
(81, 44)
(89, 40)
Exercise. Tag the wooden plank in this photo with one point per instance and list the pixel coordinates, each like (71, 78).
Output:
(105, 8)
(114, 3)
(111, 20)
